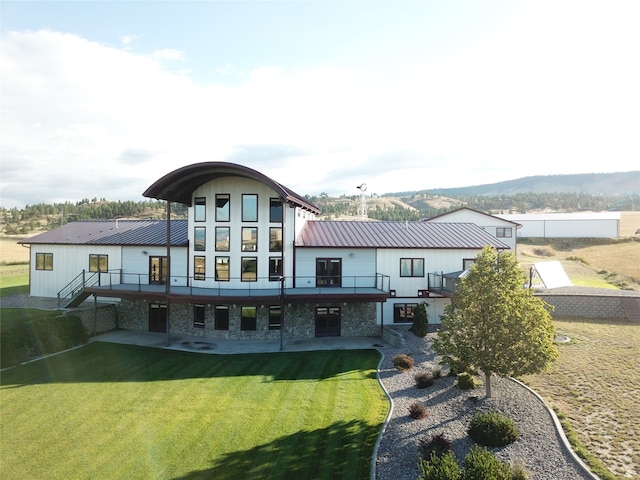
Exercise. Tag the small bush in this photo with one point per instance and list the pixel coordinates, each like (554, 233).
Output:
(573, 258)
(519, 471)
(466, 381)
(437, 444)
(456, 366)
(481, 464)
(423, 379)
(492, 430)
(437, 373)
(418, 411)
(444, 467)
(402, 362)
(420, 325)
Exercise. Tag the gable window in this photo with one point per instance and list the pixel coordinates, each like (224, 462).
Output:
(467, 262)
(503, 232)
(222, 269)
(412, 267)
(275, 210)
(249, 239)
(221, 319)
(199, 268)
(98, 263)
(249, 207)
(222, 239)
(275, 239)
(328, 272)
(200, 209)
(248, 319)
(275, 268)
(275, 317)
(200, 239)
(403, 312)
(44, 261)
(249, 269)
(198, 316)
(222, 207)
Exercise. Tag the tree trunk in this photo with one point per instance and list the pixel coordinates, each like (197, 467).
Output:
(487, 382)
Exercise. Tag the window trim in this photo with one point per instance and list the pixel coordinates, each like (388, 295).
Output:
(227, 209)
(501, 232)
(396, 306)
(275, 203)
(273, 244)
(273, 275)
(199, 315)
(221, 322)
(273, 325)
(196, 274)
(218, 277)
(253, 320)
(228, 240)
(46, 262)
(331, 280)
(242, 273)
(195, 239)
(412, 273)
(252, 242)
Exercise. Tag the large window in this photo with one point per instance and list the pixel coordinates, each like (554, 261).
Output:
(249, 207)
(275, 268)
(503, 232)
(403, 312)
(221, 319)
(249, 239)
(275, 210)
(44, 261)
(222, 239)
(249, 268)
(328, 272)
(222, 207)
(275, 317)
(199, 268)
(275, 239)
(248, 321)
(98, 263)
(199, 239)
(200, 209)
(412, 267)
(198, 316)
(222, 269)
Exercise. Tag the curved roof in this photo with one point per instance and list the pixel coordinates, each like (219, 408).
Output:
(179, 185)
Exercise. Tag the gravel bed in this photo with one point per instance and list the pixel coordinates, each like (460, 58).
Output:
(539, 447)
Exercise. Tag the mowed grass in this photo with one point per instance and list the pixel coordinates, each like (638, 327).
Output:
(14, 279)
(595, 385)
(119, 411)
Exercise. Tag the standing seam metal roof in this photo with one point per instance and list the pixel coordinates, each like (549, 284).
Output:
(115, 232)
(358, 234)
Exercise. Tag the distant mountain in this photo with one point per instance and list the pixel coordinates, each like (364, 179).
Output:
(621, 183)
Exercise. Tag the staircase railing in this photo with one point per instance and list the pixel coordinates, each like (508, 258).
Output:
(76, 286)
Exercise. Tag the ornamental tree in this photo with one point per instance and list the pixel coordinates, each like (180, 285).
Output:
(496, 324)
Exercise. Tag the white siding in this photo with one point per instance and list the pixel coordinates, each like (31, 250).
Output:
(355, 263)
(135, 264)
(487, 222)
(568, 225)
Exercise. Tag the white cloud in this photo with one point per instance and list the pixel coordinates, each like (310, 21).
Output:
(168, 54)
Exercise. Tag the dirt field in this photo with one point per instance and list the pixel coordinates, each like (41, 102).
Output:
(11, 252)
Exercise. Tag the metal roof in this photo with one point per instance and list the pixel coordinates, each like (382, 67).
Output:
(114, 232)
(358, 234)
(179, 185)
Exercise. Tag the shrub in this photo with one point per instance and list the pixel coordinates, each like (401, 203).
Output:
(418, 411)
(456, 366)
(420, 324)
(402, 362)
(519, 471)
(481, 464)
(466, 381)
(444, 467)
(437, 444)
(492, 429)
(423, 379)
(437, 373)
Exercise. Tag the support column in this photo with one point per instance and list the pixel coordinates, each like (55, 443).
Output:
(167, 284)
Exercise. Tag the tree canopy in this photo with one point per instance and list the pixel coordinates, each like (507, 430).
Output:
(496, 324)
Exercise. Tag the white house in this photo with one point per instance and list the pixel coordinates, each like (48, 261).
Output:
(498, 226)
(251, 261)
(567, 225)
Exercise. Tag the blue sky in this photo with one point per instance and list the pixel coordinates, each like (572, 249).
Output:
(99, 99)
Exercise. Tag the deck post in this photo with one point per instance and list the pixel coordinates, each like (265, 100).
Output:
(282, 305)
(167, 284)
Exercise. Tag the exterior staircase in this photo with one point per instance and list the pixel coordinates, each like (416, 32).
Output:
(631, 306)
(74, 293)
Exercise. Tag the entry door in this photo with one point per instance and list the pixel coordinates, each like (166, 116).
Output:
(157, 270)
(328, 321)
(157, 318)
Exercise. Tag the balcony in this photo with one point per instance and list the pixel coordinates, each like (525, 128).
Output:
(299, 289)
(444, 284)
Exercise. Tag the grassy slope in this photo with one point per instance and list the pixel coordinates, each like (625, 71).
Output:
(132, 412)
(594, 384)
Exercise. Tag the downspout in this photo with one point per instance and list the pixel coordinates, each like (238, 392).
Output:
(31, 263)
(167, 285)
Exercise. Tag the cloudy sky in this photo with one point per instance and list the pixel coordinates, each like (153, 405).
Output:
(100, 99)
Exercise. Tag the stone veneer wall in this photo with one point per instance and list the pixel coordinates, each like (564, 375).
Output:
(585, 306)
(358, 320)
(102, 319)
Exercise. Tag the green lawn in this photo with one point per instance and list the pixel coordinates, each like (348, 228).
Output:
(14, 279)
(119, 411)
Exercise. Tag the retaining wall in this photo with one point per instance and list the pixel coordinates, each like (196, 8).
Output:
(585, 306)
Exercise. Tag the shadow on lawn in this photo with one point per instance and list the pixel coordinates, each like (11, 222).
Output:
(104, 362)
(341, 450)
